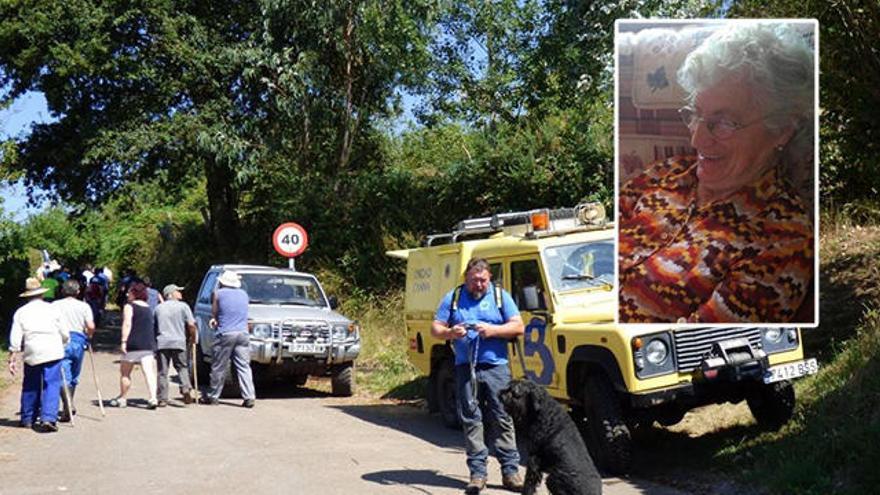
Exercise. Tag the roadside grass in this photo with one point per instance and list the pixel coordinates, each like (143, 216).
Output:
(4, 374)
(830, 446)
(382, 369)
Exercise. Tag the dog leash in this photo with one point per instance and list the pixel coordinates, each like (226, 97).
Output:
(472, 361)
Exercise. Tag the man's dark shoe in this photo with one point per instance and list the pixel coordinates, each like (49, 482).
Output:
(248, 403)
(64, 417)
(208, 401)
(188, 398)
(512, 482)
(475, 485)
(47, 427)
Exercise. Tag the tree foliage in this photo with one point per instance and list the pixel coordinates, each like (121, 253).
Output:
(849, 90)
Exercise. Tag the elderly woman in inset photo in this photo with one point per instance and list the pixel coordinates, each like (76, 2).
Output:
(722, 236)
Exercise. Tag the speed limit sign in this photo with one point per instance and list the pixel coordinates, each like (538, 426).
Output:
(290, 240)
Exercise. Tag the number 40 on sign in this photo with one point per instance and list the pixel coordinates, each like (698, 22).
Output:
(290, 240)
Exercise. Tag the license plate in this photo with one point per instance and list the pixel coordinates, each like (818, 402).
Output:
(306, 348)
(788, 371)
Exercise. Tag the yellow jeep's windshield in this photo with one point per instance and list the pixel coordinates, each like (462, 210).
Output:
(585, 265)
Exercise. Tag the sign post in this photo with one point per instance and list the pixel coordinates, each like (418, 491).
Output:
(290, 240)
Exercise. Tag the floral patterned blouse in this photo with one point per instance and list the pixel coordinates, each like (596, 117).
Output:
(745, 258)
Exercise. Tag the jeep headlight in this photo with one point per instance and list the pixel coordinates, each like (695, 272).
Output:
(779, 339)
(262, 330)
(652, 355)
(773, 335)
(656, 352)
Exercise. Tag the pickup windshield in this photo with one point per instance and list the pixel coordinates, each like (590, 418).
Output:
(282, 289)
(588, 265)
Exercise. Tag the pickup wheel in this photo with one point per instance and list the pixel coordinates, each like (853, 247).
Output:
(300, 379)
(772, 404)
(447, 400)
(608, 436)
(202, 369)
(342, 380)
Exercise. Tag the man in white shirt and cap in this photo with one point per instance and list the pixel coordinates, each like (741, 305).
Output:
(37, 333)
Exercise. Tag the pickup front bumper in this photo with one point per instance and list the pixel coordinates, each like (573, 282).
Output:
(269, 351)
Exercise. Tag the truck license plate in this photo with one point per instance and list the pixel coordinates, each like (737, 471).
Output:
(788, 371)
(306, 348)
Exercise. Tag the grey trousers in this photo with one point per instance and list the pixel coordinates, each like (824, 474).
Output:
(179, 360)
(234, 345)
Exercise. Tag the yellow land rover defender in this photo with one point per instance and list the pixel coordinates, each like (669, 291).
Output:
(559, 266)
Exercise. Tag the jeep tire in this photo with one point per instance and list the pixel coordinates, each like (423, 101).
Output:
(608, 437)
(772, 404)
(342, 380)
(443, 378)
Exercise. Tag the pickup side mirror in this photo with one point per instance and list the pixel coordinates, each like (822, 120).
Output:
(334, 302)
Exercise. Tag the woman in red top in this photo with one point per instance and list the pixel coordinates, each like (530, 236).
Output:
(721, 237)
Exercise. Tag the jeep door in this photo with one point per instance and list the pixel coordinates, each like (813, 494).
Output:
(528, 287)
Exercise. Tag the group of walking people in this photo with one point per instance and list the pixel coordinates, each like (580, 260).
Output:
(52, 338)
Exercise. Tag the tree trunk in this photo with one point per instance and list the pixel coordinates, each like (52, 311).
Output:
(347, 131)
(222, 206)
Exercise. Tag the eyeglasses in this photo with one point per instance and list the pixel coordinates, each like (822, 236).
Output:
(719, 128)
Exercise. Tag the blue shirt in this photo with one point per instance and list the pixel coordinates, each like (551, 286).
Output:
(232, 310)
(484, 310)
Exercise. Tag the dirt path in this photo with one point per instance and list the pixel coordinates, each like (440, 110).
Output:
(294, 441)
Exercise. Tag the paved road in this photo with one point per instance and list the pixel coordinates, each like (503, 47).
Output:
(295, 441)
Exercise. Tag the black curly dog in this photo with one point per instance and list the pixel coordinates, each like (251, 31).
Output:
(552, 441)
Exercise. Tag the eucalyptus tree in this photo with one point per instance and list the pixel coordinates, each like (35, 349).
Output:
(242, 93)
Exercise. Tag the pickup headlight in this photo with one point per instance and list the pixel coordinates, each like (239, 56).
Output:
(345, 331)
(779, 339)
(652, 355)
(262, 331)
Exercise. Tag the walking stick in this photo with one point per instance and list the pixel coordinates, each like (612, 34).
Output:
(195, 368)
(66, 395)
(95, 376)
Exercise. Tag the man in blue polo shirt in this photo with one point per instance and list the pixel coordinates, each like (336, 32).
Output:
(480, 319)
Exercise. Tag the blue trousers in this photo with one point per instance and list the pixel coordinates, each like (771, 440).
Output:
(486, 410)
(73, 357)
(40, 391)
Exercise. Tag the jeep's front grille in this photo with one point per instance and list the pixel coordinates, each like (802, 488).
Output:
(317, 332)
(694, 344)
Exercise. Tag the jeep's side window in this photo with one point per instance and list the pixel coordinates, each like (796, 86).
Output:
(497, 274)
(527, 287)
(207, 288)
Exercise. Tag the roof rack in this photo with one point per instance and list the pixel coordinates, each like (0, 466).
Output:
(527, 223)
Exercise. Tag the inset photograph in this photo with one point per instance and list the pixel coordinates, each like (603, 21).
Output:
(717, 171)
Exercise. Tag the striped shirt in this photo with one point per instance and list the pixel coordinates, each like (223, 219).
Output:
(744, 258)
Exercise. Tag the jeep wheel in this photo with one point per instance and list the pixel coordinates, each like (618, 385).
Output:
(444, 381)
(772, 405)
(608, 436)
(342, 380)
